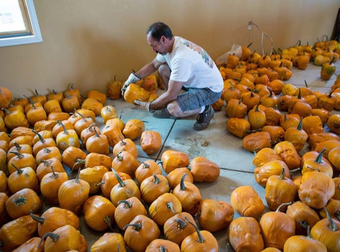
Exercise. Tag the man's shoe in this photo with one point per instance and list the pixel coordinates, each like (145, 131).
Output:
(203, 119)
(162, 113)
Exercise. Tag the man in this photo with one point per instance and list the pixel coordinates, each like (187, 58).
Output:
(181, 65)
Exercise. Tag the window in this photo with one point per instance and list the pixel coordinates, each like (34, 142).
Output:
(18, 23)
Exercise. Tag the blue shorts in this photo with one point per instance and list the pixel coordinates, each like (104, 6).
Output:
(196, 98)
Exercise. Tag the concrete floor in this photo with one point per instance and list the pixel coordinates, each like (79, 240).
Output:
(215, 143)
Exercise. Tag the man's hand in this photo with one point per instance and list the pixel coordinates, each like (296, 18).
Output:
(132, 79)
(143, 105)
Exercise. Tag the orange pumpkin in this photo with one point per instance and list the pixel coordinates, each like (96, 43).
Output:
(109, 242)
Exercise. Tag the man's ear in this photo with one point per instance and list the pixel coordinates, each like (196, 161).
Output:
(163, 39)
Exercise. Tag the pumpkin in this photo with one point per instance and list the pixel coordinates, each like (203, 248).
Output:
(123, 190)
(15, 119)
(172, 159)
(333, 123)
(303, 216)
(73, 193)
(199, 241)
(93, 176)
(265, 171)
(162, 245)
(100, 97)
(164, 207)
(328, 145)
(276, 228)
(52, 106)
(276, 133)
(45, 167)
(140, 232)
(289, 120)
(204, 170)
(67, 138)
(279, 189)
(65, 238)
(189, 195)
(30, 245)
(128, 209)
(245, 234)
(93, 105)
(151, 141)
(3, 182)
(256, 141)
(333, 209)
(316, 138)
(98, 143)
(99, 213)
(88, 132)
(214, 215)
(22, 202)
(246, 201)
(70, 102)
(264, 156)
(312, 124)
(23, 178)
(176, 228)
(303, 243)
(59, 127)
(235, 108)
(114, 89)
(154, 186)
(109, 242)
(95, 159)
(297, 136)
(4, 217)
(50, 184)
(125, 162)
(113, 134)
(125, 145)
(135, 92)
(327, 231)
(5, 97)
(60, 116)
(238, 126)
(54, 218)
(16, 232)
(108, 112)
(337, 188)
(133, 129)
(316, 189)
(256, 118)
(147, 169)
(317, 164)
(48, 153)
(71, 155)
(21, 161)
(175, 176)
(288, 154)
(109, 180)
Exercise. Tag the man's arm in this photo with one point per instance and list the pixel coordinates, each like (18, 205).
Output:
(148, 68)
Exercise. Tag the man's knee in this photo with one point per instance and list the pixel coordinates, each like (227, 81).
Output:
(174, 109)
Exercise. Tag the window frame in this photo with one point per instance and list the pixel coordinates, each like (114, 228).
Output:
(22, 39)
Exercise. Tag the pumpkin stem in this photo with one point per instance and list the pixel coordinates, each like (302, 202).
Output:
(249, 44)
(332, 226)
(330, 93)
(200, 237)
(30, 100)
(67, 95)
(71, 87)
(283, 204)
(306, 84)
(313, 169)
(82, 116)
(182, 185)
(282, 174)
(146, 166)
(119, 156)
(303, 224)
(299, 127)
(79, 161)
(20, 201)
(18, 169)
(76, 180)
(319, 157)
(54, 175)
(54, 92)
(127, 203)
(64, 128)
(17, 146)
(107, 219)
(170, 205)
(156, 179)
(95, 132)
(100, 183)
(137, 226)
(53, 236)
(299, 95)
(40, 137)
(41, 220)
(337, 215)
(163, 249)
(20, 155)
(46, 162)
(119, 179)
(180, 224)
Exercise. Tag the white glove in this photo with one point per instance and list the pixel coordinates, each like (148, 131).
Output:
(143, 105)
(132, 79)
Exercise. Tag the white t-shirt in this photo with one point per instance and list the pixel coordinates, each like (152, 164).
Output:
(191, 64)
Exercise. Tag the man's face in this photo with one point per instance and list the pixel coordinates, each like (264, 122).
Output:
(157, 46)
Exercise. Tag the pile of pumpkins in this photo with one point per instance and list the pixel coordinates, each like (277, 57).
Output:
(53, 153)
(275, 121)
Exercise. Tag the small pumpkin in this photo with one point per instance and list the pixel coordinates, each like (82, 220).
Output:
(151, 141)
(113, 242)
(204, 170)
(172, 159)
